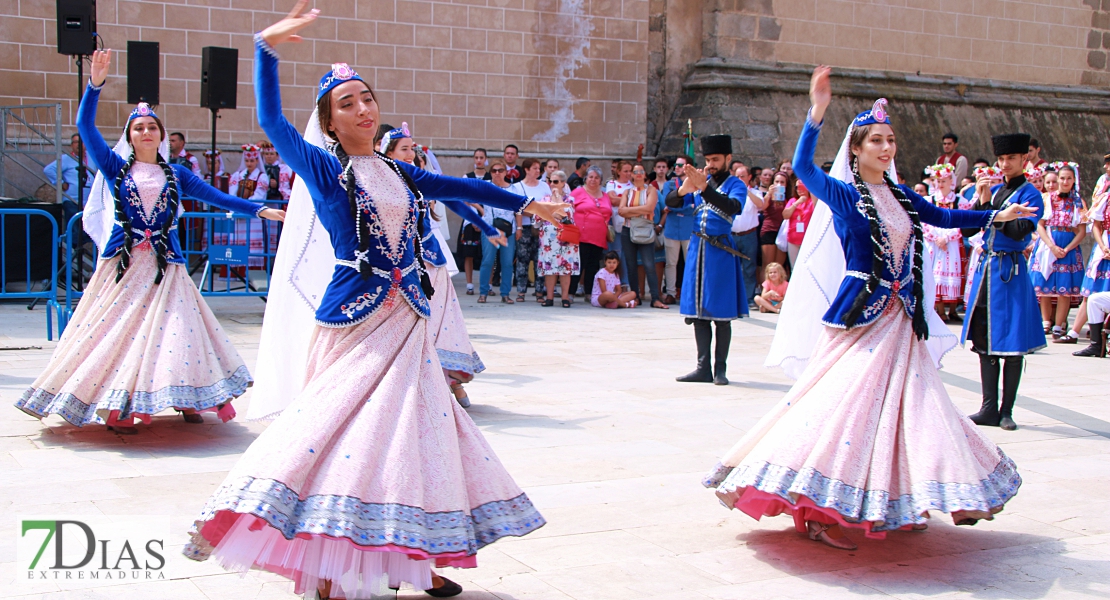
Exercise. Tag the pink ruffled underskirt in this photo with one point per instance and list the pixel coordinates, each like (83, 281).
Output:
(757, 504)
(354, 571)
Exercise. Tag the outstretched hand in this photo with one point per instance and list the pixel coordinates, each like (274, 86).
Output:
(1014, 211)
(500, 240)
(820, 92)
(286, 29)
(551, 212)
(101, 62)
(273, 214)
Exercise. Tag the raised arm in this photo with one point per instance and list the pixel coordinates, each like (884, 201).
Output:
(99, 152)
(471, 216)
(838, 195)
(316, 165)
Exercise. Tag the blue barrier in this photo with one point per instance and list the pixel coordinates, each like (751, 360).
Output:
(49, 292)
(220, 241)
(72, 295)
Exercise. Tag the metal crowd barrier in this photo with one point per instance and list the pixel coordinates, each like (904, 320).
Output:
(73, 293)
(49, 282)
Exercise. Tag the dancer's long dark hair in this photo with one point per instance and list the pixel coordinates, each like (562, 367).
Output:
(161, 245)
(878, 259)
(362, 229)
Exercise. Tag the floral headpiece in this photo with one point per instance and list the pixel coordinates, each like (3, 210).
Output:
(940, 170)
(877, 114)
(251, 151)
(339, 73)
(990, 172)
(211, 152)
(142, 109)
(1056, 166)
(1032, 173)
(394, 134)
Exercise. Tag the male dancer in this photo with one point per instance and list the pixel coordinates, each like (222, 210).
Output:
(713, 284)
(1003, 321)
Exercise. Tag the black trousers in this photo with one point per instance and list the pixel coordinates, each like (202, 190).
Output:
(590, 257)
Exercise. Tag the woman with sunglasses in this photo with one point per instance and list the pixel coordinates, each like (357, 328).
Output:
(557, 258)
(505, 221)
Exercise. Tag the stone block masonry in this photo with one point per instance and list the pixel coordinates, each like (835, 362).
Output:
(553, 76)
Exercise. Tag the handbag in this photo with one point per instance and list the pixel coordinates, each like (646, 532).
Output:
(780, 239)
(641, 230)
(610, 234)
(503, 225)
(569, 233)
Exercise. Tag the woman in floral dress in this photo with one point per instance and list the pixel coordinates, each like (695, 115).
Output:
(556, 257)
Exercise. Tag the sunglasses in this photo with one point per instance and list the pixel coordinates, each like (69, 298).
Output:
(497, 170)
(556, 181)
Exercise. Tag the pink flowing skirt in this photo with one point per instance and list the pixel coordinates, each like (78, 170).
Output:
(867, 438)
(448, 329)
(133, 349)
(372, 475)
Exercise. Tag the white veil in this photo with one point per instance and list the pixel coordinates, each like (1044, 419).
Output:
(303, 268)
(99, 215)
(816, 278)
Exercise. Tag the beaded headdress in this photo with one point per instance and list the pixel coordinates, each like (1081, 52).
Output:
(877, 114)
(142, 109)
(340, 73)
(394, 134)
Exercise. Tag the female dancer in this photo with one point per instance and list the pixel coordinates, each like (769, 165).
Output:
(945, 245)
(1096, 279)
(1057, 264)
(142, 340)
(372, 474)
(446, 325)
(868, 437)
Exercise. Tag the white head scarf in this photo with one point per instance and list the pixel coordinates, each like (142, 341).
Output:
(303, 269)
(99, 216)
(815, 280)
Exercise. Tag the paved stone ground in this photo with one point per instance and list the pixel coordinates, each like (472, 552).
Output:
(582, 407)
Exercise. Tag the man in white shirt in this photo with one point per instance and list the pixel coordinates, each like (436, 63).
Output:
(745, 232)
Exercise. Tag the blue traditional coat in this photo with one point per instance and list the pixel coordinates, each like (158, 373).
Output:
(713, 283)
(854, 230)
(143, 227)
(349, 298)
(1012, 312)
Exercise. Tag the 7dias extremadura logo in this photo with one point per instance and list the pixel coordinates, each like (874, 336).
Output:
(93, 549)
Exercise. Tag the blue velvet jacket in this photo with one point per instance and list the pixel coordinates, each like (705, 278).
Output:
(711, 220)
(433, 254)
(854, 230)
(349, 298)
(109, 163)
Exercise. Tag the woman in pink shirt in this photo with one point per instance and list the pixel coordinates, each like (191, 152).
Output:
(592, 211)
(798, 211)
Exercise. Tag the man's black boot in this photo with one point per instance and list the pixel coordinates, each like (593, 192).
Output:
(1011, 377)
(989, 371)
(720, 355)
(703, 335)
(1095, 349)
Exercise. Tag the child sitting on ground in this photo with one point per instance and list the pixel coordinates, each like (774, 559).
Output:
(774, 289)
(607, 286)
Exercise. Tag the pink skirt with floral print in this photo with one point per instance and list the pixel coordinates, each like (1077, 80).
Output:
(133, 349)
(371, 476)
(867, 438)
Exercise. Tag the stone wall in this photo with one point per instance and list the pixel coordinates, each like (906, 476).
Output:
(553, 76)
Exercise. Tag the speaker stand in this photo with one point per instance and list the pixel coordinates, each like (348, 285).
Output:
(212, 171)
(82, 176)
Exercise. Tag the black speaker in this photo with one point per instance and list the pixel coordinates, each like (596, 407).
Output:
(76, 27)
(219, 77)
(144, 72)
